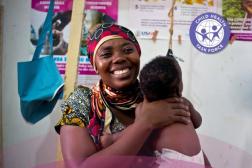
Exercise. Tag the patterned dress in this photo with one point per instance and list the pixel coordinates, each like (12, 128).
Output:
(91, 108)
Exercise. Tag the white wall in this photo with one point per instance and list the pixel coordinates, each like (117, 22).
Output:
(219, 86)
(25, 145)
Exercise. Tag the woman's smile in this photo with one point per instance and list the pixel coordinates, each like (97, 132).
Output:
(117, 63)
(121, 72)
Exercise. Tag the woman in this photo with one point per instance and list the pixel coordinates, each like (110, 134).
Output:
(113, 104)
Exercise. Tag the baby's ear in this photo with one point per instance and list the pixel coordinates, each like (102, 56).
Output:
(179, 92)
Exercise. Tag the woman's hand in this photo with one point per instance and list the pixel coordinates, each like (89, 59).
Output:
(162, 112)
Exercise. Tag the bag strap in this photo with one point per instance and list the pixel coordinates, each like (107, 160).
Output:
(47, 28)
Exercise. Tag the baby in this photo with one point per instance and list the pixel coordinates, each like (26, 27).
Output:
(159, 79)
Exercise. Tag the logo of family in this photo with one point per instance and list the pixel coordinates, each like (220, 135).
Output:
(209, 33)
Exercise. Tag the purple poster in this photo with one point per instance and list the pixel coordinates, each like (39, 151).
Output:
(239, 15)
(96, 11)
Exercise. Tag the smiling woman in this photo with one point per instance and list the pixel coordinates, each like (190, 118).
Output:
(112, 105)
(117, 62)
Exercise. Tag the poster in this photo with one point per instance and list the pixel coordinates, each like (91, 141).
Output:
(150, 16)
(239, 15)
(96, 11)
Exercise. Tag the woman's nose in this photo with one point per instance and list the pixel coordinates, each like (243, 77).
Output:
(118, 57)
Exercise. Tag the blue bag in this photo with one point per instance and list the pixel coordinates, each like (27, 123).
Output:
(39, 82)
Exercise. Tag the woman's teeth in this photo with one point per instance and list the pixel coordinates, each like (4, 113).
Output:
(119, 72)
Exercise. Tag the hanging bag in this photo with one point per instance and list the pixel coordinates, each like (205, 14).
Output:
(39, 82)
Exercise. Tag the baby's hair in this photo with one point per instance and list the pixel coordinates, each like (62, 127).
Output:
(161, 78)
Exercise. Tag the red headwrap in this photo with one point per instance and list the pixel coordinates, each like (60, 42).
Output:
(106, 32)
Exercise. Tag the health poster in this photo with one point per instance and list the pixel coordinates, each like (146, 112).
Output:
(96, 11)
(150, 17)
(239, 15)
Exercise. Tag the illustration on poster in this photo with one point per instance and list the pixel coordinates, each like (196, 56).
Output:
(247, 7)
(60, 21)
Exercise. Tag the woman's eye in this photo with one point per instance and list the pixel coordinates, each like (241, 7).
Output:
(128, 50)
(105, 54)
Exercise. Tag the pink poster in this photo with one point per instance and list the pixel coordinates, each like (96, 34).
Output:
(239, 15)
(96, 11)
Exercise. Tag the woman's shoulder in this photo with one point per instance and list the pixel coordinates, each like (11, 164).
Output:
(80, 93)
(78, 104)
(76, 108)
(82, 90)
(79, 100)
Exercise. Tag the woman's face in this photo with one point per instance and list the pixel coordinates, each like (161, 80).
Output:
(117, 62)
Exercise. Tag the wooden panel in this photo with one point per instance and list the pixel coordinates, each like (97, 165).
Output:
(1, 58)
(73, 53)
(73, 47)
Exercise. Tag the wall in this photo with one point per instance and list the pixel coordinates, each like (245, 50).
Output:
(218, 85)
(25, 145)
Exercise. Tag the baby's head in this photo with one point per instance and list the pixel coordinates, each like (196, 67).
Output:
(161, 78)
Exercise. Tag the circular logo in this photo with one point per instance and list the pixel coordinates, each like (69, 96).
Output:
(209, 33)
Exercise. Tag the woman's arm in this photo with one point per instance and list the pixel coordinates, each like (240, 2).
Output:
(76, 145)
(79, 150)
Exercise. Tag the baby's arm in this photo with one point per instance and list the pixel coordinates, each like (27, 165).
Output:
(195, 115)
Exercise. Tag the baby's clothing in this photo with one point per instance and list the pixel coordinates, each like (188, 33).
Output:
(168, 158)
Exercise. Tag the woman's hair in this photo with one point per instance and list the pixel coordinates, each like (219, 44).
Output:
(161, 78)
